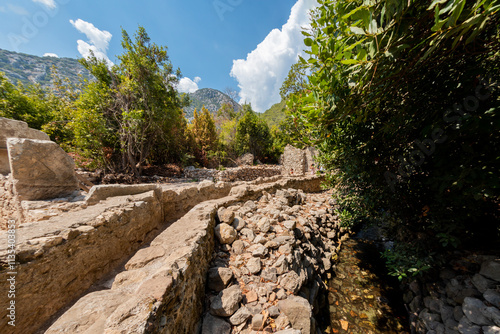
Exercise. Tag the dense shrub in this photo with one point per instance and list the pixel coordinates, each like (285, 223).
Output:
(404, 107)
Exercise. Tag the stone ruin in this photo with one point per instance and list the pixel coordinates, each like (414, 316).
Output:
(39, 168)
(152, 254)
(71, 243)
(14, 129)
(165, 234)
(299, 162)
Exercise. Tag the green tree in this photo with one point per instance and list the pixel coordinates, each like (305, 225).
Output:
(398, 107)
(204, 135)
(295, 82)
(43, 109)
(30, 104)
(137, 111)
(253, 135)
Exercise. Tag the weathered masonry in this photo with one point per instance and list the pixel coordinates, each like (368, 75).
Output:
(60, 258)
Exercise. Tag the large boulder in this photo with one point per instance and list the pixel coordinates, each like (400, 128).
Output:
(40, 169)
(299, 312)
(218, 278)
(10, 128)
(245, 160)
(225, 233)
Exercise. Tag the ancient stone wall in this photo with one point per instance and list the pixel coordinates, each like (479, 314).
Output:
(270, 260)
(297, 162)
(8, 205)
(310, 157)
(162, 288)
(464, 299)
(61, 257)
(294, 161)
(243, 173)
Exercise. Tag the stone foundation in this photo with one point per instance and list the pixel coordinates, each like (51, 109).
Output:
(271, 258)
(60, 258)
(243, 173)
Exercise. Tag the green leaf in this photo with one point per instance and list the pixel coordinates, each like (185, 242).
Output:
(361, 56)
(435, 3)
(349, 61)
(315, 49)
(448, 7)
(346, 16)
(357, 30)
(308, 42)
(456, 13)
(373, 27)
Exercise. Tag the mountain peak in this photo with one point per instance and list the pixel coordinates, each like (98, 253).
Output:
(212, 99)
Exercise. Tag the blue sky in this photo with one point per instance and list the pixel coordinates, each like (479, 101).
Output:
(247, 45)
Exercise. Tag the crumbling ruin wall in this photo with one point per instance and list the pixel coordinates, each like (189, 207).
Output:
(297, 162)
(310, 157)
(464, 299)
(60, 258)
(243, 173)
(163, 283)
(294, 161)
(39, 168)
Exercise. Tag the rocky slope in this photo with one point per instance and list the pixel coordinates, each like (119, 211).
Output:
(31, 69)
(212, 99)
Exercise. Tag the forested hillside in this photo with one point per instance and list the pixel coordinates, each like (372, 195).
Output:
(131, 115)
(276, 114)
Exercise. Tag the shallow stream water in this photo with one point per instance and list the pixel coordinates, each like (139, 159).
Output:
(362, 298)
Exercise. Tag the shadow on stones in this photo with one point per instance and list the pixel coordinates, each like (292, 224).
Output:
(363, 298)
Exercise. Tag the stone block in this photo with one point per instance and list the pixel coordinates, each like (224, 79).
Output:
(40, 169)
(102, 192)
(10, 128)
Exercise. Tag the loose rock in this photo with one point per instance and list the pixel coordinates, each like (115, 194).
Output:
(226, 302)
(225, 233)
(219, 278)
(213, 324)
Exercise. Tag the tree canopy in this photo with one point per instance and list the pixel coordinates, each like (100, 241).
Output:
(135, 109)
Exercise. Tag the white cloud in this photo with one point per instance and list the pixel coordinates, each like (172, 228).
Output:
(48, 54)
(262, 73)
(98, 40)
(187, 85)
(17, 9)
(49, 3)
